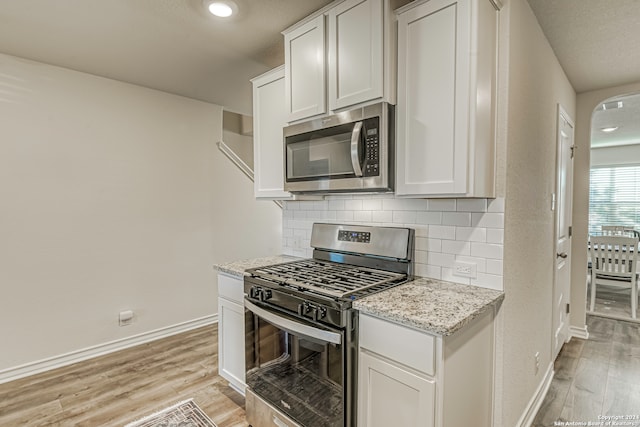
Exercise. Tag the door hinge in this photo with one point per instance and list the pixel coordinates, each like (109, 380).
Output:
(570, 231)
(568, 308)
(574, 147)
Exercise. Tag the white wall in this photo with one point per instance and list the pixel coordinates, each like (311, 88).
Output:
(112, 197)
(532, 84)
(618, 155)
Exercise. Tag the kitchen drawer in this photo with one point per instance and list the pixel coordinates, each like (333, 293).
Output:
(398, 343)
(231, 288)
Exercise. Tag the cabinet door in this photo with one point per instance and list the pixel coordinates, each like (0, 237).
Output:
(391, 396)
(433, 99)
(231, 343)
(268, 146)
(355, 52)
(304, 51)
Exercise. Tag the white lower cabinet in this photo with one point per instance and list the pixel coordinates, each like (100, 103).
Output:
(411, 378)
(392, 395)
(231, 335)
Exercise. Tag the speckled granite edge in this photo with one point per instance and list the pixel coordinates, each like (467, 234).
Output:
(238, 268)
(430, 305)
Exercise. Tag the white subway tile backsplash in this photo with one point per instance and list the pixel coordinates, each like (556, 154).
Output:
(363, 216)
(496, 205)
(441, 260)
(344, 216)
(471, 234)
(404, 204)
(404, 217)
(434, 245)
(382, 216)
(495, 235)
(487, 250)
(421, 256)
(444, 205)
(494, 266)
(489, 220)
(372, 204)
(455, 247)
(421, 243)
(431, 271)
(490, 281)
(471, 205)
(462, 219)
(468, 230)
(429, 217)
(421, 230)
(300, 214)
(336, 205)
(442, 232)
(353, 205)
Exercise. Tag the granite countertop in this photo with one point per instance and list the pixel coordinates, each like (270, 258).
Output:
(238, 268)
(430, 305)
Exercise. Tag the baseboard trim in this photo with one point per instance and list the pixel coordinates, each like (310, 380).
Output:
(54, 362)
(576, 332)
(536, 401)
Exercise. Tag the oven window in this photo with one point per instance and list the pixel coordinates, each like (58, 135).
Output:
(301, 376)
(324, 153)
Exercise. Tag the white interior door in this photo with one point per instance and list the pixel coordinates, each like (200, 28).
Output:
(563, 208)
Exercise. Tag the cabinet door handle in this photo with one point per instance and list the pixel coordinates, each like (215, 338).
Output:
(562, 255)
(355, 149)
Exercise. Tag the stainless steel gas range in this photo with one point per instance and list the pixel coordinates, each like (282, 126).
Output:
(301, 329)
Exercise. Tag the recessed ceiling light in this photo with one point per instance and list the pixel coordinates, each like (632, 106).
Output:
(609, 129)
(222, 9)
(613, 105)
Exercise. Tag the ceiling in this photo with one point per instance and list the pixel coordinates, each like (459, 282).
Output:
(597, 43)
(171, 45)
(177, 47)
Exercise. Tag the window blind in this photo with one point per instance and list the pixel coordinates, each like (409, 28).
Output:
(614, 197)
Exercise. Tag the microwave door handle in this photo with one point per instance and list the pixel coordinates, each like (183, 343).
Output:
(293, 326)
(355, 149)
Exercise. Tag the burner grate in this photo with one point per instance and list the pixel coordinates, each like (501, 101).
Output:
(329, 278)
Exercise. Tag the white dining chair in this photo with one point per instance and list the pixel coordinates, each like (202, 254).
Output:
(613, 263)
(618, 230)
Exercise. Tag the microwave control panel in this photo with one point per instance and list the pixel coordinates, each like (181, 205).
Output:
(371, 147)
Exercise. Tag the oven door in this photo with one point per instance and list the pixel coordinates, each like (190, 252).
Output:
(294, 366)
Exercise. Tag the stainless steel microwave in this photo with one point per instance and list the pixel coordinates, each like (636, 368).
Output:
(351, 151)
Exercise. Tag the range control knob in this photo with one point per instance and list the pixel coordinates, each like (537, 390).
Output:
(265, 294)
(254, 292)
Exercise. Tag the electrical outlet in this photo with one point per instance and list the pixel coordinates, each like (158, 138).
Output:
(465, 269)
(536, 359)
(125, 318)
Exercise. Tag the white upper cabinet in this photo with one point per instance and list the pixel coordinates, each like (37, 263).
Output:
(304, 57)
(446, 99)
(269, 117)
(355, 52)
(357, 65)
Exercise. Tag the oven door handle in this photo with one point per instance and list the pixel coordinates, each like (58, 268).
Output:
(355, 149)
(293, 326)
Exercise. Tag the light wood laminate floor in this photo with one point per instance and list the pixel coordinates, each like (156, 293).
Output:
(120, 387)
(596, 377)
